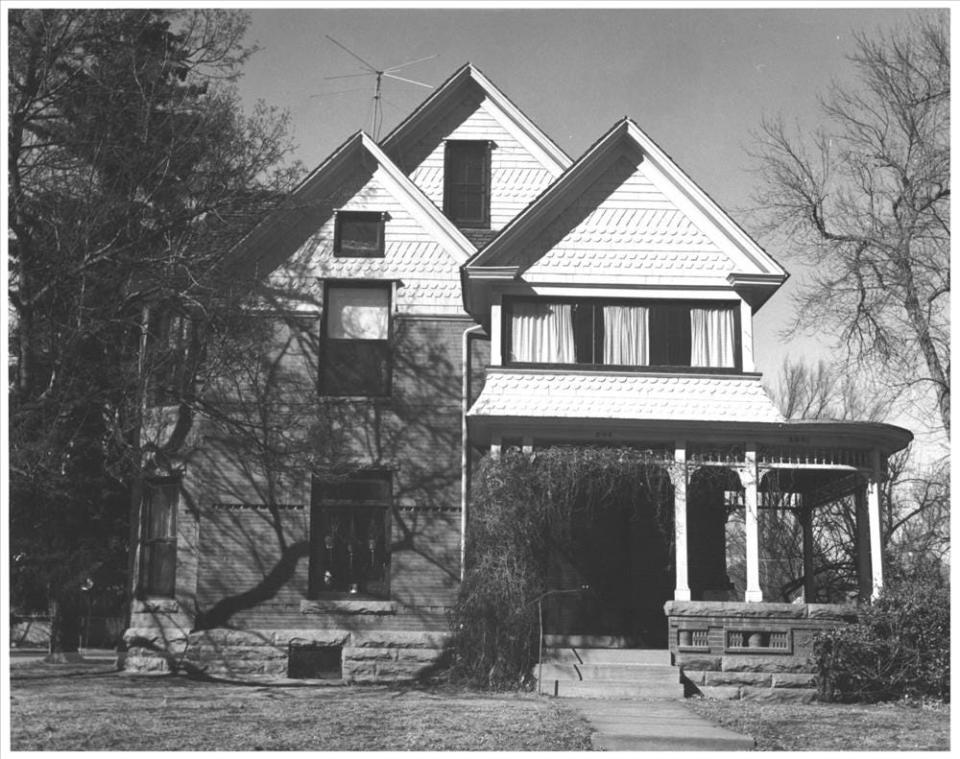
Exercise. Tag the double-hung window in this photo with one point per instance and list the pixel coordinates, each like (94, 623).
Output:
(158, 543)
(623, 334)
(466, 183)
(356, 339)
(349, 535)
(359, 234)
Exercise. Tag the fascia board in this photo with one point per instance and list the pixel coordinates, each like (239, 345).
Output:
(528, 133)
(694, 201)
(420, 205)
(509, 116)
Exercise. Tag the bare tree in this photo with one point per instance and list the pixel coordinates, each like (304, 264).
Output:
(864, 201)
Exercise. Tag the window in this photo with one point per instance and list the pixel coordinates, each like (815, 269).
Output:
(158, 545)
(356, 332)
(466, 183)
(349, 535)
(168, 343)
(359, 234)
(696, 334)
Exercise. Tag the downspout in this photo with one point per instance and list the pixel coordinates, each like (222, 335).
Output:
(464, 442)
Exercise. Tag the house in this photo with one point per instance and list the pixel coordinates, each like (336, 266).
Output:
(459, 288)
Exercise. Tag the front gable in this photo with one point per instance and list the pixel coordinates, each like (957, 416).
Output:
(523, 160)
(422, 251)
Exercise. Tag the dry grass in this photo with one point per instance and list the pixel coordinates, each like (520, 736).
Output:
(91, 707)
(832, 727)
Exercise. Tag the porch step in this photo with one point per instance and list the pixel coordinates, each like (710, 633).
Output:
(631, 673)
(592, 641)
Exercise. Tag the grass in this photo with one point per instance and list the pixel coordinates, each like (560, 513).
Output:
(92, 707)
(832, 727)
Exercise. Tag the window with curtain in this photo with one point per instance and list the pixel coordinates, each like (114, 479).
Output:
(623, 334)
(356, 332)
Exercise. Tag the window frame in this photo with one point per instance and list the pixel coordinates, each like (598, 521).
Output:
(380, 218)
(453, 190)
(385, 346)
(170, 332)
(651, 303)
(145, 586)
(320, 510)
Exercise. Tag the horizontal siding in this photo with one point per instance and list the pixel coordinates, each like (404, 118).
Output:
(516, 176)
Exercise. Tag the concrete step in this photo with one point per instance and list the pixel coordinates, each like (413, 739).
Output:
(637, 656)
(617, 671)
(612, 690)
(591, 641)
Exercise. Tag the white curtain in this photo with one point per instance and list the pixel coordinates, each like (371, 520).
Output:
(542, 333)
(626, 335)
(358, 313)
(712, 338)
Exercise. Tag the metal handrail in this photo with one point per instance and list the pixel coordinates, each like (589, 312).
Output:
(539, 602)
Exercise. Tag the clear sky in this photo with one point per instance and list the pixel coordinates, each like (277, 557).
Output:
(696, 80)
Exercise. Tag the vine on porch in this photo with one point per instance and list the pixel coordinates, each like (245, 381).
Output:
(523, 507)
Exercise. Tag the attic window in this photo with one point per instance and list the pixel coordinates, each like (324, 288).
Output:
(466, 182)
(359, 234)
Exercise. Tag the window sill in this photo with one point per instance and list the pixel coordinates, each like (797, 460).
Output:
(147, 605)
(348, 606)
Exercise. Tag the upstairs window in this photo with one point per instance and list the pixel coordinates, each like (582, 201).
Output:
(356, 340)
(359, 234)
(466, 183)
(349, 535)
(702, 335)
(158, 544)
(169, 337)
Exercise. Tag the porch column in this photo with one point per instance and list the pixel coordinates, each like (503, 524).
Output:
(806, 522)
(682, 590)
(749, 478)
(873, 513)
(864, 553)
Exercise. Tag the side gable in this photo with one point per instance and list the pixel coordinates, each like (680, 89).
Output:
(294, 247)
(524, 161)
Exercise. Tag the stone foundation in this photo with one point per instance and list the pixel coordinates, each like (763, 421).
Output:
(365, 657)
(757, 651)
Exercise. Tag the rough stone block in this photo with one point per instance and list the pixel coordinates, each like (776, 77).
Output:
(776, 663)
(310, 637)
(723, 692)
(354, 653)
(697, 677)
(687, 661)
(423, 655)
(789, 680)
(398, 639)
(738, 678)
(839, 612)
(792, 695)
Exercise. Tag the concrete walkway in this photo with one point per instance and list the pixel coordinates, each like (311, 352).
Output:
(623, 725)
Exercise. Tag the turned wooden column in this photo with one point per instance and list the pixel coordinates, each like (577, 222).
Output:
(679, 476)
(749, 478)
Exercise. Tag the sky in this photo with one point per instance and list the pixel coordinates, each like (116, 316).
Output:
(698, 81)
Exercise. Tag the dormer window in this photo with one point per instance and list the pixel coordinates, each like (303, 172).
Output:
(466, 183)
(623, 334)
(359, 234)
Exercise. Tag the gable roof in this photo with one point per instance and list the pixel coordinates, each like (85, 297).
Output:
(755, 269)
(450, 93)
(284, 229)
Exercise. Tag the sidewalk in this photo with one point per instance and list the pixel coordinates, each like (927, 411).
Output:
(624, 725)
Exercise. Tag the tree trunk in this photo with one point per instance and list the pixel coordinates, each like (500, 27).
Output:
(65, 624)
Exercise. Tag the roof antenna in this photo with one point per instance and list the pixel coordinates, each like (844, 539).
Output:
(376, 116)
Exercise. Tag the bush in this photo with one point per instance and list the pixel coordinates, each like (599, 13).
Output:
(899, 648)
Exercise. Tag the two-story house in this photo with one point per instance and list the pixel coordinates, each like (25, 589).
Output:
(460, 287)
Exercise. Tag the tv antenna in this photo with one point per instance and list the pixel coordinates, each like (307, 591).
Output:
(376, 111)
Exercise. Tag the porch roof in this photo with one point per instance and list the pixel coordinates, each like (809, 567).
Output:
(633, 406)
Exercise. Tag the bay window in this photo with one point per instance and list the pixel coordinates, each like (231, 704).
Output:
(623, 334)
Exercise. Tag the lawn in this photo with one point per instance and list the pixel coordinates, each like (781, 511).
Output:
(92, 707)
(832, 727)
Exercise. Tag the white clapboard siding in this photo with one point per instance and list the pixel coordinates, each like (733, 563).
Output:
(516, 176)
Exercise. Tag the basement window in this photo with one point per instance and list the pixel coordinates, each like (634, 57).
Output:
(315, 662)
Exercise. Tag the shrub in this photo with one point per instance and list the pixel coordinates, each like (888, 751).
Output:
(899, 648)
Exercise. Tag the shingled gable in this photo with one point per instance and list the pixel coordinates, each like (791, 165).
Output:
(308, 206)
(450, 94)
(682, 215)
